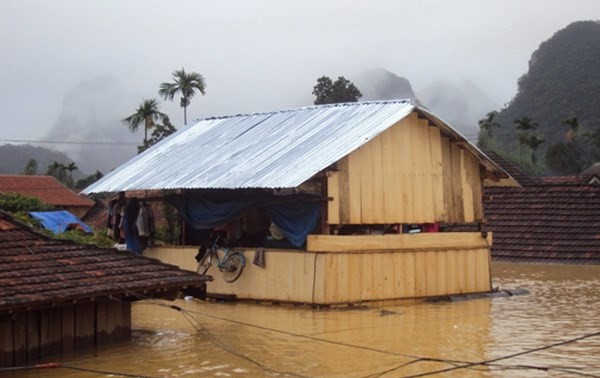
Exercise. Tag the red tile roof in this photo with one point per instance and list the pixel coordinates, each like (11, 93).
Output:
(556, 220)
(36, 271)
(46, 188)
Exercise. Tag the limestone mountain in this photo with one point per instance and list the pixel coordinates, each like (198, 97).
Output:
(563, 80)
(14, 158)
(381, 84)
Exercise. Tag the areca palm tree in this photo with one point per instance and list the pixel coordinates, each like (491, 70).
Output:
(146, 114)
(185, 83)
(488, 123)
(71, 167)
(525, 124)
(573, 124)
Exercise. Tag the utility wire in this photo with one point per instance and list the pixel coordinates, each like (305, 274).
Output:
(155, 302)
(70, 367)
(98, 143)
(213, 339)
(488, 362)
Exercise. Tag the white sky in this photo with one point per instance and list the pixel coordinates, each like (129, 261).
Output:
(256, 55)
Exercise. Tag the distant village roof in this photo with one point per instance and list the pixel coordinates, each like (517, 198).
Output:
(36, 271)
(46, 188)
(515, 172)
(279, 149)
(555, 220)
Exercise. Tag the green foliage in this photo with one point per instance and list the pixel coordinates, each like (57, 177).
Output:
(19, 203)
(89, 180)
(159, 133)
(31, 168)
(488, 123)
(561, 82)
(170, 233)
(564, 159)
(327, 91)
(59, 171)
(100, 239)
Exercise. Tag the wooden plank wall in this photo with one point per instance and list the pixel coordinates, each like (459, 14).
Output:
(411, 173)
(32, 336)
(355, 276)
(386, 267)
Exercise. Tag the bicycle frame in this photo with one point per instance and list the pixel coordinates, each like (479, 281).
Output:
(230, 265)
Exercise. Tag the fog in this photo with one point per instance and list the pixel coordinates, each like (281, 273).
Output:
(71, 70)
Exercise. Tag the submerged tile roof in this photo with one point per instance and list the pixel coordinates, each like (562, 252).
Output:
(556, 220)
(279, 149)
(46, 188)
(36, 271)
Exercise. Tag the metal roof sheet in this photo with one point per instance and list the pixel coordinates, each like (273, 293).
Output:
(279, 149)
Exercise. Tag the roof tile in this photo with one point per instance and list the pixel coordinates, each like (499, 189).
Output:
(38, 271)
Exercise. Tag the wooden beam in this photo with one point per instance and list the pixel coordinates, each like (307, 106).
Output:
(6, 342)
(394, 242)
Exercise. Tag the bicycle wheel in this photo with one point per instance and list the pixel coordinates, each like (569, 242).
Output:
(205, 263)
(233, 266)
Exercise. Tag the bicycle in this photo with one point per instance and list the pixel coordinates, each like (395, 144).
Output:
(231, 264)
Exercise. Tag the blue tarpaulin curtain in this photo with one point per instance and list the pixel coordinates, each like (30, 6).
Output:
(296, 216)
(295, 219)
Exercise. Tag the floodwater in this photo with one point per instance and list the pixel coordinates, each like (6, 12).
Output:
(400, 339)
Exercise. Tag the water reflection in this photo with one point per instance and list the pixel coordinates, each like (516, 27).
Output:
(384, 339)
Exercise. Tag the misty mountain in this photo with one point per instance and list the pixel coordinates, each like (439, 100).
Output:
(381, 84)
(14, 158)
(462, 105)
(91, 113)
(563, 80)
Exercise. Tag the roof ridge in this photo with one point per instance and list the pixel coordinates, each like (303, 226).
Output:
(289, 110)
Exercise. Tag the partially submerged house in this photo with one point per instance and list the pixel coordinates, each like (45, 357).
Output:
(48, 190)
(547, 220)
(57, 296)
(352, 187)
(555, 220)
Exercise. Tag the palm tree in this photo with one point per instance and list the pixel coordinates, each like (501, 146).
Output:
(488, 123)
(71, 167)
(573, 125)
(525, 124)
(146, 114)
(185, 83)
(534, 142)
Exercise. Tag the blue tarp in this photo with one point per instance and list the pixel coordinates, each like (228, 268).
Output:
(59, 221)
(295, 219)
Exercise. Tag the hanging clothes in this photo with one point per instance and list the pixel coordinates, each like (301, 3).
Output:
(129, 217)
(145, 225)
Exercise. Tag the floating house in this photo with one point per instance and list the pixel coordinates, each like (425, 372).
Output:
(57, 296)
(48, 190)
(363, 194)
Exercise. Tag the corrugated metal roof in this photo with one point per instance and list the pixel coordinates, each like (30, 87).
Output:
(279, 149)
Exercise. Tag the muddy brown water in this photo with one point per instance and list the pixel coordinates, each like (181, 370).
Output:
(390, 339)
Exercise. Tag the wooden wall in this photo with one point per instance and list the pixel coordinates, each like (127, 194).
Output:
(29, 337)
(411, 173)
(347, 269)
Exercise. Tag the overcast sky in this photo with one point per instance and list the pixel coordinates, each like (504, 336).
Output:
(254, 55)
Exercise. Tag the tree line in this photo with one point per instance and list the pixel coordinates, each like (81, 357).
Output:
(571, 156)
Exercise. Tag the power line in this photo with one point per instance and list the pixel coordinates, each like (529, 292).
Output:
(490, 362)
(85, 143)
